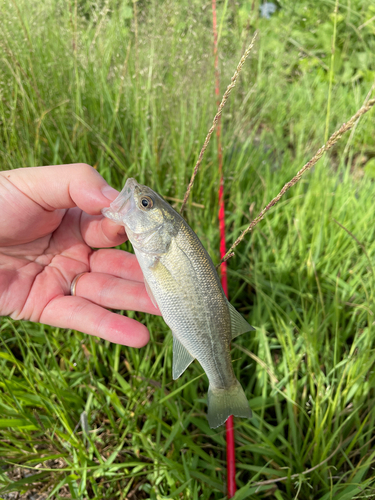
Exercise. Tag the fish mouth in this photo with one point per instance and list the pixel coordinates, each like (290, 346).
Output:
(125, 202)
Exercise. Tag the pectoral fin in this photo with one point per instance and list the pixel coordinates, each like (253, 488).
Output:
(150, 294)
(239, 324)
(181, 358)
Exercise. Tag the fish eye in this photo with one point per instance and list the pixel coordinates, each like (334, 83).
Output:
(146, 202)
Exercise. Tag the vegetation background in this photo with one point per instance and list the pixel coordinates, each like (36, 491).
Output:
(129, 88)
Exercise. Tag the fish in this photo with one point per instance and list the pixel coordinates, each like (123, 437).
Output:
(181, 280)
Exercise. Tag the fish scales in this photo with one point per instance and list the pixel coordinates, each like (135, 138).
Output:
(192, 308)
(182, 280)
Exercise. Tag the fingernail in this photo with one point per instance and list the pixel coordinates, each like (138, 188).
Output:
(109, 192)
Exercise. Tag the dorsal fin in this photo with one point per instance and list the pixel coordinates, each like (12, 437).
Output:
(181, 358)
(238, 323)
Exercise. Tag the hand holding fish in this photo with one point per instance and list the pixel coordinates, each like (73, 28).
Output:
(50, 222)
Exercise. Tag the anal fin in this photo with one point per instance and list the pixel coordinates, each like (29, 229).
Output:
(181, 358)
(239, 324)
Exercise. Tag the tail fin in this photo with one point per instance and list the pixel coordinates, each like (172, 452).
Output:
(225, 402)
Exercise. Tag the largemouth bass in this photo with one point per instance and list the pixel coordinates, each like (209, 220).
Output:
(182, 281)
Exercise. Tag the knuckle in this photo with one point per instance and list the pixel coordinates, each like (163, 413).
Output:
(85, 168)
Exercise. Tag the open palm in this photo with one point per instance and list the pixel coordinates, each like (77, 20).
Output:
(50, 222)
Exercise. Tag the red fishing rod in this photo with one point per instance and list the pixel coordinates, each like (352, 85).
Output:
(231, 460)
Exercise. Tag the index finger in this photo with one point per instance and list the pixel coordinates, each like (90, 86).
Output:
(63, 186)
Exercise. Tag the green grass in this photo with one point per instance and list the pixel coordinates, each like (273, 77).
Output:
(93, 420)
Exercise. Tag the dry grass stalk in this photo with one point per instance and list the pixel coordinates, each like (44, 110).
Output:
(216, 119)
(330, 143)
(294, 476)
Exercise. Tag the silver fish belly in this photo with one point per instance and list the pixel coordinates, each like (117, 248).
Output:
(182, 280)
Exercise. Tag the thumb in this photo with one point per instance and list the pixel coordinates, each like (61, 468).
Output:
(63, 186)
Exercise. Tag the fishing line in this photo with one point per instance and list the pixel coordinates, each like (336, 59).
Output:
(231, 458)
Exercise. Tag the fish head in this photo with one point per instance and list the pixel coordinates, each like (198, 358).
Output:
(150, 221)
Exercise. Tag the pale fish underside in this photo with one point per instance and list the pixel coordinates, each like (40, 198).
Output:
(182, 281)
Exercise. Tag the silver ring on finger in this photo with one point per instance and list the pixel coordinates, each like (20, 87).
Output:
(73, 285)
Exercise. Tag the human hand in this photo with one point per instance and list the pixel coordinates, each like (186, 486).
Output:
(50, 220)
